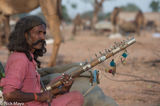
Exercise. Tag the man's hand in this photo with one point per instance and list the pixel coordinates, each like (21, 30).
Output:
(65, 87)
(67, 83)
(46, 96)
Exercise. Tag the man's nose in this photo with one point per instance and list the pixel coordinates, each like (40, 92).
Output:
(42, 36)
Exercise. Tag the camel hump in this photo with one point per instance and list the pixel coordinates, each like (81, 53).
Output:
(10, 7)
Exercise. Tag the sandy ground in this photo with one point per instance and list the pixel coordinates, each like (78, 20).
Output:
(136, 84)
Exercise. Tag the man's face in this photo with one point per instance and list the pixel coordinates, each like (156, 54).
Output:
(36, 36)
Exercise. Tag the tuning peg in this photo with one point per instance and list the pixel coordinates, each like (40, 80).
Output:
(109, 50)
(106, 51)
(101, 53)
(119, 44)
(91, 59)
(86, 61)
(116, 44)
(124, 42)
(112, 47)
(96, 55)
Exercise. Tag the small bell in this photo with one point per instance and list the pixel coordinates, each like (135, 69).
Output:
(112, 68)
(112, 63)
(124, 56)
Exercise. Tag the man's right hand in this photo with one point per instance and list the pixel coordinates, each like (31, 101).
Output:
(46, 96)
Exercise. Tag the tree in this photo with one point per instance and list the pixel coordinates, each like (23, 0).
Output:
(155, 5)
(74, 6)
(130, 7)
(65, 15)
(97, 6)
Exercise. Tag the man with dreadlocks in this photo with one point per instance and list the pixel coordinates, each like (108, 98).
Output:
(22, 81)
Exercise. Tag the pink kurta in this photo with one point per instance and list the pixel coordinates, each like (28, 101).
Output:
(21, 74)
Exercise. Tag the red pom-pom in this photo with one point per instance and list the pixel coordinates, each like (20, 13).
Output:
(110, 71)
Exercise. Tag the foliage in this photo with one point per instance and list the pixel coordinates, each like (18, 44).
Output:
(130, 7)
(89, 1)
(107, 16)
(65, 15)
(74, 6)
(88, 14)
(103, 16)
(155, 5)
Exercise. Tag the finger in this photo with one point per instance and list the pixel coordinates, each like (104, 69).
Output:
(50, 95)
(71, 79)
(67, 80)
(63, 74)
(49, 100)
(69, 83)
(66, 76)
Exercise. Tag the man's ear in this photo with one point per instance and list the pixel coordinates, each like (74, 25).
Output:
(26, 35)
(28, 39)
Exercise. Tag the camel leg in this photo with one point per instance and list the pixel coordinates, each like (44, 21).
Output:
(74, 30)
(50, 9)
(138, 30)
(6, 28)
(1, 29)
(114, 29)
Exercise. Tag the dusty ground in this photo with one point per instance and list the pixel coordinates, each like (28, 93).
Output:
(136, 84)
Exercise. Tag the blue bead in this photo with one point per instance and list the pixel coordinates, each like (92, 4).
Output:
(124, 55)
(112, 63)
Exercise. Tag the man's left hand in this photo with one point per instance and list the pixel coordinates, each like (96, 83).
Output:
(67, 81)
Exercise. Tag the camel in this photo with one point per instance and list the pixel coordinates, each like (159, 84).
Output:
(132, 26)
(139, 21)
(50, 9)
(127, 26)
(80, 24)
(85, 23)
(77, 23)
(114, 18)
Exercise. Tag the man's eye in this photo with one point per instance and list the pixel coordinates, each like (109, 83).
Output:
(42, 32)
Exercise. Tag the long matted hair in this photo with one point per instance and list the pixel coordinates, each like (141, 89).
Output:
(18, 42)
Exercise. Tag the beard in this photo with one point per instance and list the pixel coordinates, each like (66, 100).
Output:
(42, 50)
